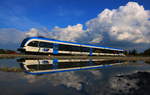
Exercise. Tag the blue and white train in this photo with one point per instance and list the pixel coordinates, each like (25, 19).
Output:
(40, 45)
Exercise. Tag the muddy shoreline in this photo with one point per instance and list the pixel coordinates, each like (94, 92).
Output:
(131, 84)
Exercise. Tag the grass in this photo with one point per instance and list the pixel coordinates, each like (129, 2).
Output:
(6, 69)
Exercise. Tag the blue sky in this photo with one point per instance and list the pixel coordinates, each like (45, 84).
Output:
(113, 23)
(27, 14)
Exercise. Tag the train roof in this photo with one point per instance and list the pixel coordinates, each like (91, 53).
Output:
(75, 43)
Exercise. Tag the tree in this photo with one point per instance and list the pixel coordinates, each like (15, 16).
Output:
(133, 52)
(147, 52)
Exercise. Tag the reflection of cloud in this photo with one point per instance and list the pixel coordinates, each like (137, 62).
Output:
(68, 79)
(31, 78)
(96, 73)
(123, 84)
(134, 83)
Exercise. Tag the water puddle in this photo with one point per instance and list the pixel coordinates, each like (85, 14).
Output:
(64, 76)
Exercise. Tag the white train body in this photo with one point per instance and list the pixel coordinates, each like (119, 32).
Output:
(50, 46)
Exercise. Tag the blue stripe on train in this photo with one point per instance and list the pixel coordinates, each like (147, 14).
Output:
(66, 70)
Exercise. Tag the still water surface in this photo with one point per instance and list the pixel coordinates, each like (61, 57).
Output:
(64, 77)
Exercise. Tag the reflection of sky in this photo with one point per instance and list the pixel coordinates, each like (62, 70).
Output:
(69, 79)
(89, 81)
(8, 63)
(75, 82)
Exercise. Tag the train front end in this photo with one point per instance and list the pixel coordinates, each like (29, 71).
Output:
(22, 49)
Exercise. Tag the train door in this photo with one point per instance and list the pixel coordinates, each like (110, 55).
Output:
(91, 52)
(55, 48)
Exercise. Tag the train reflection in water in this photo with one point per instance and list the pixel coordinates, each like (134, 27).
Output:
(43, 66)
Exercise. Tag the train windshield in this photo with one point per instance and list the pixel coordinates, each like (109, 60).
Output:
(23, 42)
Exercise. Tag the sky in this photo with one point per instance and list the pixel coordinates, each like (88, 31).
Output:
(114, 23)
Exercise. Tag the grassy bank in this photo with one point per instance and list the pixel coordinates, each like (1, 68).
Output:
(6, 69)
(130, 58)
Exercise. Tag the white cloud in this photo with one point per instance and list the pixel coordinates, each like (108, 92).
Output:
(32, 32)
(35, 32)
(127, 23)
(70, 33)
(10, 36)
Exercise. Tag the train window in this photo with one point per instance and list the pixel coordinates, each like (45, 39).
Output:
(85, 49)
(69, 47)
(33, 44)
(46, 45)
(65, 47)
(108, 51)
(118, 52)
(96, 50)
(121, 52)
(75, 48)
(23, 42)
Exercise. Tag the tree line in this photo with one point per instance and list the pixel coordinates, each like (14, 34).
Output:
(135, 53)
(4, 51)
